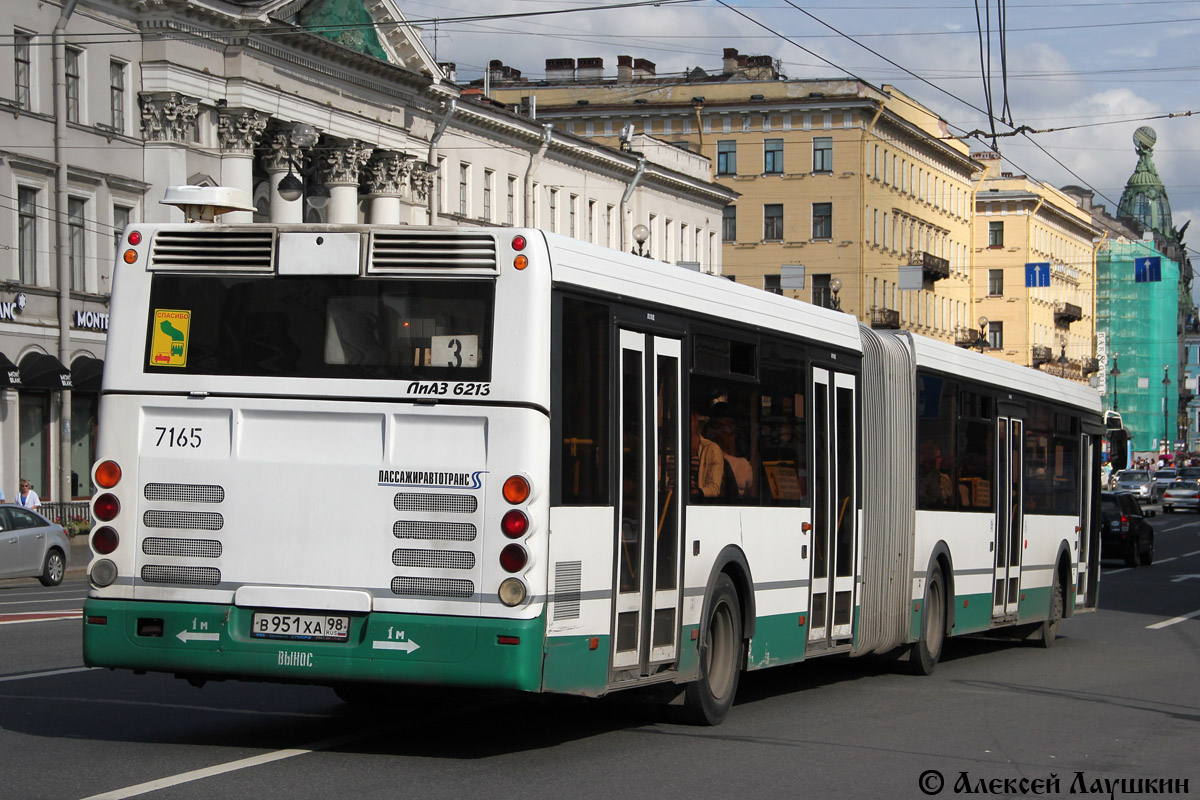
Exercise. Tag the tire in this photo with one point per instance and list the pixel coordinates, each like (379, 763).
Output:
(707, 700)
(1147, 558)
(53, 568)
(1048, 630)
(928, 649)
(1168, 509)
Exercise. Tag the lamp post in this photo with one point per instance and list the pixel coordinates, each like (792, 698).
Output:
(835, 286)
(1114, 372)
(640, 234)
(981, 340)
(1166, 382)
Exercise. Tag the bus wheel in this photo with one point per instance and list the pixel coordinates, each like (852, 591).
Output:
(708, 699)
(928, 649)
(1049, 629)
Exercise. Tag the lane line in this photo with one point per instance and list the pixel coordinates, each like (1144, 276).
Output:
(47, 674)
(41, 616)
(1160, 625)
(233, 766)
(1164, 560)
(1189, 555)
(35, 602)
(1117, 571)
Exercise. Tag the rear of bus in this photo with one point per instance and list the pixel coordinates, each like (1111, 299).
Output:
(323, 456)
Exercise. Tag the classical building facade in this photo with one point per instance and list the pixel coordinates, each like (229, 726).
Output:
(850, 195)
(338, 94)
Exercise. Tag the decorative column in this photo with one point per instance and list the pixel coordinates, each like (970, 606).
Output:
(422, 184)
(239, 133)
(168, 126)
(387, 182)
(286, 149)
(343, 163)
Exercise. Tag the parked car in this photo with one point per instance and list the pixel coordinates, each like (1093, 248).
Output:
(1138, 483)
(1126, 534)
(1181, 494)
(32, 546)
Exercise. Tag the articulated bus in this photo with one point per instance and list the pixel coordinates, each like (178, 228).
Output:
(366, 457)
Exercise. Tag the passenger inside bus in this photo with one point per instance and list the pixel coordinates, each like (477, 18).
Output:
(708, 463)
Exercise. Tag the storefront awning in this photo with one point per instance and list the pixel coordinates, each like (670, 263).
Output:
(10, 374)
(41, 371)
(85, 374)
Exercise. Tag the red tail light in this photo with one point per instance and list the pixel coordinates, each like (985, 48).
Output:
(514, 524)
(513, 558)
(105, 540)
(107, 507)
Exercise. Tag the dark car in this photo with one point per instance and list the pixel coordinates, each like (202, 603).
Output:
(1188, 474)
(1126, 535)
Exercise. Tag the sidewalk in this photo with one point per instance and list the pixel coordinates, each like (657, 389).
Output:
(80, 554)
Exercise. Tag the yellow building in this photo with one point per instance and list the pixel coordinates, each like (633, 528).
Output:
(1035, 273)
(856, 193)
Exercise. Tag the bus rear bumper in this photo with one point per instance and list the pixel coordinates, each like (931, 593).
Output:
(214, 642)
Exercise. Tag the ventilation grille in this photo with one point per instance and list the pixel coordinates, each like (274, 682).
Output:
(184, 493)
(197, 520)
(434, 559)
(404, 250)
(432, 587)
(234, 249)
(185, 576)
(567, 585)
(448, 503)
(186, 548)
(440, 531)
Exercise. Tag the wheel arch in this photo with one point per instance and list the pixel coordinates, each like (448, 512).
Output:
(732, 561)
(940, 557)
(1062, 568)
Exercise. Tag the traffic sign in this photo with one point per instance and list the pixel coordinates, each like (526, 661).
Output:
(1037, 273)
(1147, 269)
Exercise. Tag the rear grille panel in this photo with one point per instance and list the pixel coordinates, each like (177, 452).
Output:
(434, 559)
(435, 531)
(182, 576)
(188, 520)
(183, 493)
(405, 251)
(182, 548)
(444, 503)
(433, 587)
(213, 248)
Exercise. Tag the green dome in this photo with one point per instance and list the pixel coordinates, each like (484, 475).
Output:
(1145, 197)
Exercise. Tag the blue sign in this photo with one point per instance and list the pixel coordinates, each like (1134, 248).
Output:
(1037, 273)
(1147, 270)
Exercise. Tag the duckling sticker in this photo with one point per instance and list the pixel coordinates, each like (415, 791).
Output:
(169, 338)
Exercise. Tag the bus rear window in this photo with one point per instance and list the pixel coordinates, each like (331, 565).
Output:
(320, 327)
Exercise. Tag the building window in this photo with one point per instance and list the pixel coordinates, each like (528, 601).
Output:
(609, 233)
(571, 214)
(27, 233)
(116, 93)
(995, 234)
(554, 210)
(995, 335)
(121, 217)
(773, 222)
(729, 224)
(771, 283)
(822, 295)
(464, 173)
(727, 157)
(22, 69)
(823, 154)
(591, 221)
(511, 199)
(76, 251)
(489, 177)
(74, 56)
(773, 157)
(822, 220)
(995, 282)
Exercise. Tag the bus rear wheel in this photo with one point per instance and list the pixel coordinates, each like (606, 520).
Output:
(928, 649)
(1048, 630)
(708, 699)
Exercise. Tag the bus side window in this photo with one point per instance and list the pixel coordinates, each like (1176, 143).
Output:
(585, 385)
(781, 432)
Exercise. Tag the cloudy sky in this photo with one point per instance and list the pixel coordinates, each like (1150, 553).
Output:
(1098, 69)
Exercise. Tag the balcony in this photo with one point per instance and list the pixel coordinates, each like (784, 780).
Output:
(1040, 354)
(966, 337)
(932, 267)
(1066, 313)
(886, 318)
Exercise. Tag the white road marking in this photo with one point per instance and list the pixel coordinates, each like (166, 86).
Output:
(1164, 560)
(28, 675)
(232, 766)
(1160, 625)
(1115, 571)
(32, 602)
(1189, 555)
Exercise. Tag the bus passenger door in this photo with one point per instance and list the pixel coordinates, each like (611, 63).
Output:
(1089, 460)
(835, 530)
(649, 519)
(1009, 538)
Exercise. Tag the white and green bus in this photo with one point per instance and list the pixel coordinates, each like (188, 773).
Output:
(364, 456)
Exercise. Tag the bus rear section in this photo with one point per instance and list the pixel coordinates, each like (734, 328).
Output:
(321, 460)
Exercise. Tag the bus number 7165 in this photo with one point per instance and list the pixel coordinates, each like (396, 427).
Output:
(181, 437)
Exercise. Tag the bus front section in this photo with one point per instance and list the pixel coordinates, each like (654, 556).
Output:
(323, 456)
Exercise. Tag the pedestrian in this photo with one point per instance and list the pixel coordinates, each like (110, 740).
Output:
(1, 495)
(28, 497)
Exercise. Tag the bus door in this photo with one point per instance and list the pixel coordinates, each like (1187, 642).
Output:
(1009, 539)
(1089, 460)
(648, 563)
(835, 530)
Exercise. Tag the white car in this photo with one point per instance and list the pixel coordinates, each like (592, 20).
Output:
(32, 546)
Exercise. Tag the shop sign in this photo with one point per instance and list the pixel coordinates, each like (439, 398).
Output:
(10, 308)
(91, 320)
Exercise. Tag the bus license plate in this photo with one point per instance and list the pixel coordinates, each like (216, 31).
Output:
(310, 627)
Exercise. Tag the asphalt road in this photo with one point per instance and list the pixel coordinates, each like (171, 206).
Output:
(1116, 698)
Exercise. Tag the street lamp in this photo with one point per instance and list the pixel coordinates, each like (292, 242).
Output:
(835, 286)
(640, 234)
(981, 340)
(1114, 372)
(1166, 385)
